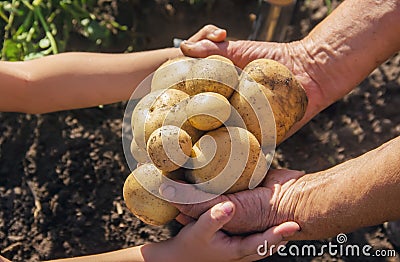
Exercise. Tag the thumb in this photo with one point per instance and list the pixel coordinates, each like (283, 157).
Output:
(204, 48)
(213, 220)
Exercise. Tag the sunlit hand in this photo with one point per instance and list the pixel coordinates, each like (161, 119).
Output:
(267, 205)
(293, 55)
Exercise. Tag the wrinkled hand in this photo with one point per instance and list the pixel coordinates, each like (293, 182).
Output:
(203, 241)
(293, 55)
(270, 204)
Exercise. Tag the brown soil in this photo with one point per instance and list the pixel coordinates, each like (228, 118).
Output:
(61, 174)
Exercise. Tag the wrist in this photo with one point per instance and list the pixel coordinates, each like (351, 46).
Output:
(295, 201)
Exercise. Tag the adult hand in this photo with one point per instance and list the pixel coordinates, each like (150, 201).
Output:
(203, 241)
(337, 54)
(293, 55)
(270, 204)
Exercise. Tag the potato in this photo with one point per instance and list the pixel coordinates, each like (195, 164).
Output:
(237, 155)
(139, 116)
(208, 111)
(139, 154)
(143, 204)
(169, 147)
(167, 110)
(252, 107)
(220, 58)
(285, 94)
(212, 75)
(172, 74)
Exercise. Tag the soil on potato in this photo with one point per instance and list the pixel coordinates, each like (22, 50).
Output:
(61, 174)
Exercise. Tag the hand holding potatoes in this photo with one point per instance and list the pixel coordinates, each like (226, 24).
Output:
(209, 124)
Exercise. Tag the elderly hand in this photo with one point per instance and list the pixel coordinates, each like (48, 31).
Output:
(270, 204)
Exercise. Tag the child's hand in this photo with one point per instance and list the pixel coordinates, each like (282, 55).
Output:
(203, 241)
(209, 32)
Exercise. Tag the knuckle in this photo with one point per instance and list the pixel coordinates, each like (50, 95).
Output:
(209, 27)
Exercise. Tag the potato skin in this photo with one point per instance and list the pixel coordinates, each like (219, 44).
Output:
(144, 205)
(221, 160)
(208, 110)
(172, 74)
(169, 142)
(212, 75)
(169, 103)
(285, 94)
(140, 154)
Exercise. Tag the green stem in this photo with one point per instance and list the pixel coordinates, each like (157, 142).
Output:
(25, 24)
(49, 35)
(36, 2)
(3, 16)
(27, 4)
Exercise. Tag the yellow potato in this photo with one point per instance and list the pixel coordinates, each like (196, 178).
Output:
(138, 153)
(168, 109)
(237, 156)
(285, 94)
(172, 74)
(143, 204)
(220, 58)
(169, 147)
(139, 116)
(212, 75)
(208, 111)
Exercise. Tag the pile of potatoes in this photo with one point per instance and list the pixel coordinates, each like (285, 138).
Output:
(206, 123)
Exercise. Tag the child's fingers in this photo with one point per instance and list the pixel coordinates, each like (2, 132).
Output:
(213, 220)
(204, 48)
(188, 199)
(210, 32)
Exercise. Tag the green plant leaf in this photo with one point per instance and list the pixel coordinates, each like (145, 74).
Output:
(13, 50)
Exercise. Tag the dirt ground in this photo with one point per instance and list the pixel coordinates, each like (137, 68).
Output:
(61, 174)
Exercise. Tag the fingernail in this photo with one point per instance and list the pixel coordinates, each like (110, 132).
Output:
(227, 208)
(167, 191)
(217, 32)
(290, 234)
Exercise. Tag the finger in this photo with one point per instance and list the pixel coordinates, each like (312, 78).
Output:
(204, 48)
(213, 220)
(184, 219)
(210, 32)
(183, 193)
(188, 199)
(250, 245)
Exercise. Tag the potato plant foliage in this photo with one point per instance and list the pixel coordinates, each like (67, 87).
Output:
(32, 29)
